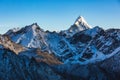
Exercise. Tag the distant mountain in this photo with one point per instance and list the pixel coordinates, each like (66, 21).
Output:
(79, 44)
(79, 25)
(81, 52)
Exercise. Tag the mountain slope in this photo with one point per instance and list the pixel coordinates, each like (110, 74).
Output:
(40, 56)
(14, 67)
(7, 43)
(105, 70)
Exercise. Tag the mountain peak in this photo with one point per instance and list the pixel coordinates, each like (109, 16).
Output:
(80, 21)
(79, 25)
(33, 27)
(34, 24)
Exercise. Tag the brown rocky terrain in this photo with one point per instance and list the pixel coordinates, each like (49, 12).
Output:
(8, 44)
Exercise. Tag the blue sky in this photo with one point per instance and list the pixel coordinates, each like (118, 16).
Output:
(58, 14)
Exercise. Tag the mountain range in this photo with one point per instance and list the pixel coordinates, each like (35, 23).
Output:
(81, 52)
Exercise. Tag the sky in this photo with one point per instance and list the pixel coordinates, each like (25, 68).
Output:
(58, 14)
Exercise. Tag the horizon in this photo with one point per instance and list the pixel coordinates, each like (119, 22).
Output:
(56, 15)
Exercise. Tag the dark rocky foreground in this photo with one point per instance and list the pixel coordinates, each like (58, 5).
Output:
(16, 67)
(105, 70)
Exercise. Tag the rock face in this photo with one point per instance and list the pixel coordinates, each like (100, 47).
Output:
(40, 56)
(81, 72)
(105, 70)
(111, 66)
(14, 67)
(7, 43)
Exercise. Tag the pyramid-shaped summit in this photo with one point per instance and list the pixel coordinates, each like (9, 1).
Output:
(81, 24)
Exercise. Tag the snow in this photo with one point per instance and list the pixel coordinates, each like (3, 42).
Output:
(114, 52)
(69, 45)
(34, 29)
(99, 56)
(82, 21)
(53, 42)
(79, 25)
(92, 32)
(108, 43)
(16, 29)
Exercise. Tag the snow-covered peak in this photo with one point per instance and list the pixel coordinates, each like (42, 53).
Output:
(35, 28)
(79, 25)
(81, 22)
(16, 29)
(32, 27)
